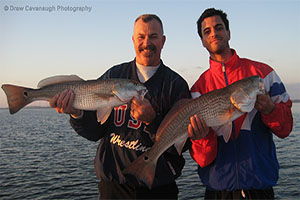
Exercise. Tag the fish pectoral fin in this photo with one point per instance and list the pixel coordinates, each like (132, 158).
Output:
(119, 95)
(225, 117)
(180, 144)
(224, 130)
(103, 114)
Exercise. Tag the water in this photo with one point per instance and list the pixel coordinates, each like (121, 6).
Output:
(41, 157)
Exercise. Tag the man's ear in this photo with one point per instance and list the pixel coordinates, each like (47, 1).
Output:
(164, 38)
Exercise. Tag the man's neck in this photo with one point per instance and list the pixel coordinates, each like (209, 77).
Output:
(145, 72)
(222, 57)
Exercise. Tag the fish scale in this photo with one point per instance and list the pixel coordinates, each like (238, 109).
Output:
(202, 107)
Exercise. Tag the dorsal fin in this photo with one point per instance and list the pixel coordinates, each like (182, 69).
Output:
(58, 79)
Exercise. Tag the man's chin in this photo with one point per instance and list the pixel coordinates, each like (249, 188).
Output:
(216, 50)
(147, 53)
(147, 61)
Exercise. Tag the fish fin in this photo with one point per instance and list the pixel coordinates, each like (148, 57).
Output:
(180, 144)
(119, 95)
(17, 97)
(103, 114)
(58, 79)
(242, 101)
(224, 130)
(143, 169)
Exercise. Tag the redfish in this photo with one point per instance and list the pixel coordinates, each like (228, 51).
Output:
(100, 95)
(218, 108)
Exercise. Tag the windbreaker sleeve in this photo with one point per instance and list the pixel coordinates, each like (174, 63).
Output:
(87, 126)
(280, 121)
(204, 151)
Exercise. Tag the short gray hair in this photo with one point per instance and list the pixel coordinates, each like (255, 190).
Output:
(148, 17)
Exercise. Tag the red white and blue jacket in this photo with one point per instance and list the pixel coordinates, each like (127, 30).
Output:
(248, 160)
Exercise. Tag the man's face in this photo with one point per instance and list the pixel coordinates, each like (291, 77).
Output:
(148, 42)
(215, 37)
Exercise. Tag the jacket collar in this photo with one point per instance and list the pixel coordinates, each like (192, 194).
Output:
(217, 67)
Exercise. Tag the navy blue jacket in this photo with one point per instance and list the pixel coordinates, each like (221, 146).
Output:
(123, 138)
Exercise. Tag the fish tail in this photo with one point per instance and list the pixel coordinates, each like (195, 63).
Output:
(143, 169)
(17, 97)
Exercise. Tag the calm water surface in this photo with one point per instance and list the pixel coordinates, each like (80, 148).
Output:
(41, 157)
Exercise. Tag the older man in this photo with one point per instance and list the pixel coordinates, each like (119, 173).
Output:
(135, 123)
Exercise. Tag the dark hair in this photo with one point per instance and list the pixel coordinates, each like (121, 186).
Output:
(209, 13)
(149, 17)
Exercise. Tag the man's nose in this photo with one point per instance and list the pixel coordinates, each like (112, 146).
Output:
(213, 32)
(147, 41)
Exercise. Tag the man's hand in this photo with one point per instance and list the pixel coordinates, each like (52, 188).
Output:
(142, 110)
(197, 128)
(62, 103)
(264, 104)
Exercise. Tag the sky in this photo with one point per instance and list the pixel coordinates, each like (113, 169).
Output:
(39, 39)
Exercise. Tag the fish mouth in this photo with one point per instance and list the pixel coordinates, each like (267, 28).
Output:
(142, 92)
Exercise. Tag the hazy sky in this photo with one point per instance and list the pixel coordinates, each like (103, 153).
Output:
(39, 39)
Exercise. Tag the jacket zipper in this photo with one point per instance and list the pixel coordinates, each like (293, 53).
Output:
(223, 68)
(233, 135)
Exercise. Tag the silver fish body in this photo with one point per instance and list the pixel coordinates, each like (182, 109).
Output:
(218, 109)
(100, 95)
